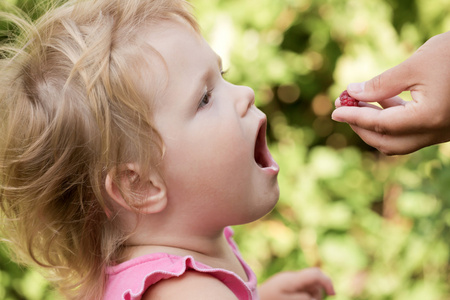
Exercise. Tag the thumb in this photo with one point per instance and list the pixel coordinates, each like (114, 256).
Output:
(385, 85)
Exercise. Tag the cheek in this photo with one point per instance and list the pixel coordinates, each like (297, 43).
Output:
(223, 151)
(213, 158)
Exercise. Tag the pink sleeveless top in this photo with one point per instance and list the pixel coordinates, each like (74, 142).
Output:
(130, 280)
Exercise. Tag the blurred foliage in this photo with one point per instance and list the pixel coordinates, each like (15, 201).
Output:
(379, 226)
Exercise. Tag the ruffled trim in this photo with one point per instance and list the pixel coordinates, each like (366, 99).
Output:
(233, 282)
(169, 266)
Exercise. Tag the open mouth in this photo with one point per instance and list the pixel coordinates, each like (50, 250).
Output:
(263, 158)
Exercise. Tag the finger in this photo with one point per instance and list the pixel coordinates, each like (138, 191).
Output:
(309, 278)
(385, 85)
(298, 296)
(337, 102)
(394, 120)
(391, 102)
(366, 104)
(391, 145)
(301, 296)
(316, 293)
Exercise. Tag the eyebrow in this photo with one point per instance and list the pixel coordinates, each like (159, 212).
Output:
(202, 79)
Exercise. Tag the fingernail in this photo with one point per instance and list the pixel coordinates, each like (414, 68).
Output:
(356, 88)
(334, 118)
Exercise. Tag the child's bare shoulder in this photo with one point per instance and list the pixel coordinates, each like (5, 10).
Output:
(191, 285)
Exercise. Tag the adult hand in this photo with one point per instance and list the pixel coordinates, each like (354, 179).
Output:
(306, 284)
(401, 127)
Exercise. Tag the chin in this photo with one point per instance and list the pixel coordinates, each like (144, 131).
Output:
(269, 204)
(275, 198)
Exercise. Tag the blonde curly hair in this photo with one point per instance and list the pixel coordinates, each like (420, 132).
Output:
(71, 111)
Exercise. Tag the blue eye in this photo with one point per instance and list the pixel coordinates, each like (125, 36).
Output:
(205, 99)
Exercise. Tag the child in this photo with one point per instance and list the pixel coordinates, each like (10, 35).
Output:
(125, 156)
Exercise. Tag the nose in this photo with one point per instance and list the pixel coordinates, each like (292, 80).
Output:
(245, 99)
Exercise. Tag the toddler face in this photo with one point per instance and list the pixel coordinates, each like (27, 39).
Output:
(216, 166)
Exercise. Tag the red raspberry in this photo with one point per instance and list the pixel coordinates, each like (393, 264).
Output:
(347, 100)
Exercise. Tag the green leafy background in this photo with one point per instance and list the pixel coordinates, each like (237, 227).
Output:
(378, 226)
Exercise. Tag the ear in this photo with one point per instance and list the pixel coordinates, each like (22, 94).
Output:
(134, 192)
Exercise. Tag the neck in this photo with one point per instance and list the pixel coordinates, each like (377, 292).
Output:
(179, 241)
(207, 246)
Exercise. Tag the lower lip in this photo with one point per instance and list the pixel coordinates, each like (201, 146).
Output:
(272, 169)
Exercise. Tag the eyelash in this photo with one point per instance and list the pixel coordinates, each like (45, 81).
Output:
(205, 99)
(207, 96)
